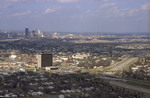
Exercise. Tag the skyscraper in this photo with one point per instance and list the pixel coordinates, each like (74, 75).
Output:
(26, 32)
(45, 60)
(38, 31)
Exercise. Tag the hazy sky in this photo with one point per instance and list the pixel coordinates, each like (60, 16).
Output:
(75, 15)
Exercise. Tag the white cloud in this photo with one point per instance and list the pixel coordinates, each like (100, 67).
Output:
(49, 11)
(18, 0)
(132, 12)
(118, 13)
(22, 13)
(8, 3)
(101, 0)
(112, 10)
(107, 5)
(52, 9)
(44, 0)
(66, 1)
(145, 6)
(4, 5)
(62, 1)
(78, 6)
(15, 0)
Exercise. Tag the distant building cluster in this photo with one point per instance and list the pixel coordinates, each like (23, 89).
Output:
(34, 33)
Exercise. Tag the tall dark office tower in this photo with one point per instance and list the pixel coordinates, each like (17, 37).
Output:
(26, 31)
(45, 60)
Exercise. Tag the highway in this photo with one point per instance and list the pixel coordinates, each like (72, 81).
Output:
(121, 65)
(111, 70)
(135, 88)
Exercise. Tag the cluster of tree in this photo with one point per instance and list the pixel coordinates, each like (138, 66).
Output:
(91, 63)
(139, 74)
